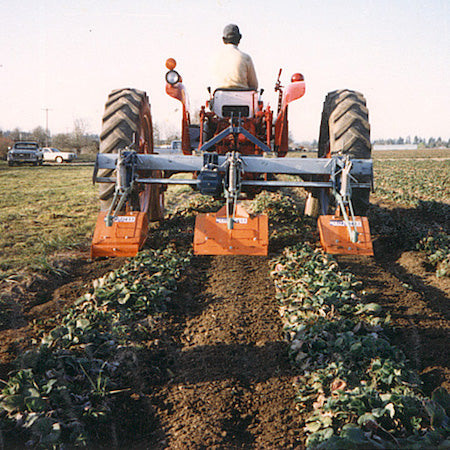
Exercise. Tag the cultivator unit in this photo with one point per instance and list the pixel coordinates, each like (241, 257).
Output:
(238, 153)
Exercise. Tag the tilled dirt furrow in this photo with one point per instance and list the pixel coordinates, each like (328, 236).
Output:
(420, 324)
(232, 380)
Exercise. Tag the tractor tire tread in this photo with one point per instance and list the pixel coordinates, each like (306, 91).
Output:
(345, 129)
(120, 121)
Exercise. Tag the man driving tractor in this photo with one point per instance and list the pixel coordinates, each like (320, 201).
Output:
(237, 133)
(234, 69)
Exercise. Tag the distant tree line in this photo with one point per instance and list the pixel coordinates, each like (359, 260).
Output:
(82, 142)
(419, 141)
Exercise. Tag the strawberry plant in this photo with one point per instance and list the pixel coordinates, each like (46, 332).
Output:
(355, 385)
(437, 250)
(62, 390)
(409, 181)
(286, 219)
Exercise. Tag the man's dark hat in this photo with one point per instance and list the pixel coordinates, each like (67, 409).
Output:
(231, 31)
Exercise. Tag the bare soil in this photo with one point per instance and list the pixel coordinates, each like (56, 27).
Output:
(231, 383)
(419, 307)
(216, 373)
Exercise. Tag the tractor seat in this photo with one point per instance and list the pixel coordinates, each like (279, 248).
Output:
(227, 102)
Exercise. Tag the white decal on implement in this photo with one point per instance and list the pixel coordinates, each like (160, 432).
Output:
(341, 223)
(128, 219)
(242, 220)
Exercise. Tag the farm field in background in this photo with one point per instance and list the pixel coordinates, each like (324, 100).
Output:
(50, 209)
(191, 347)
(409, 181)
(428, 153)
(43, 211)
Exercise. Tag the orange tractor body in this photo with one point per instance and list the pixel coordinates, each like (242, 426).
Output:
(239, 151)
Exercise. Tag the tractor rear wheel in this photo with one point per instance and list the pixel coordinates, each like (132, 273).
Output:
(345, 130)
(127, 122)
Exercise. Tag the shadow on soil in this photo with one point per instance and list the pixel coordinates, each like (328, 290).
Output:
(398, 279)
(396, 230)
(400, 230)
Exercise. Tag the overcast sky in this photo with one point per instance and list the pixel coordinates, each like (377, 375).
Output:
(68, 55)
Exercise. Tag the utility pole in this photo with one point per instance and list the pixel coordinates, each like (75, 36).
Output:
(46, 125)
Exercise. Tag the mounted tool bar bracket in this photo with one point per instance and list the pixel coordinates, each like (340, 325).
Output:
(344, 233)
(217, 174)
(210, 178)
(250, 164)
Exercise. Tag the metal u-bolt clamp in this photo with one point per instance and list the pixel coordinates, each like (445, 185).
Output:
(233, 188)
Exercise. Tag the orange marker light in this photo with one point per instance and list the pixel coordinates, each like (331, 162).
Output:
(297, 77)
(171, 64)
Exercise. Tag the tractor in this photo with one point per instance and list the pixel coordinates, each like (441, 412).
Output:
(238, 149)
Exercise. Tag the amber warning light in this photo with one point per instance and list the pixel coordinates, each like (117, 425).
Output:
(297, 77)
(171, 63)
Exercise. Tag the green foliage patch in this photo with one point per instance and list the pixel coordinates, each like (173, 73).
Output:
(64, 388)
(286, 219)
(407, 182)
(356, 386)
(437, 250)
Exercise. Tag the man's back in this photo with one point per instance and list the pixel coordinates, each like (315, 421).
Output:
(234, 69)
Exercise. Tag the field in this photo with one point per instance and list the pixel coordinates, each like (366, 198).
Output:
(44, 210)
(168, 350)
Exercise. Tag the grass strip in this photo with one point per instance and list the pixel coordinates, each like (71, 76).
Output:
(355, 386)
(45, 211)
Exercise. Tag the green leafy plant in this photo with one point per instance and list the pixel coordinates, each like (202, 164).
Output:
(354, 384)
(64, 388)
(407, 182)
(437, 250)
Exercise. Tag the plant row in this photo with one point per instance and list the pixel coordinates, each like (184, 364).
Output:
(355, 386)
(424, 229)
(65, 388)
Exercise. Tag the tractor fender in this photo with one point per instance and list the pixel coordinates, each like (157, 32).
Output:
(178, 92)
(293, 91)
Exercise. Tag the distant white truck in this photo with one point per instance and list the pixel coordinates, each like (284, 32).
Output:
(52, 154)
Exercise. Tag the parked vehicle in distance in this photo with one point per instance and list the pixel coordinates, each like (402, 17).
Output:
(174, 147)
(25, 152)
(52, 154)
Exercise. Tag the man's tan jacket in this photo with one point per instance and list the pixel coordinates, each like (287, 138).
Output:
(234, 69)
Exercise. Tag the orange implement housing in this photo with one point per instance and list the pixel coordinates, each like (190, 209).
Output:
(125, 237)
(249, 236)
(335, 239)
